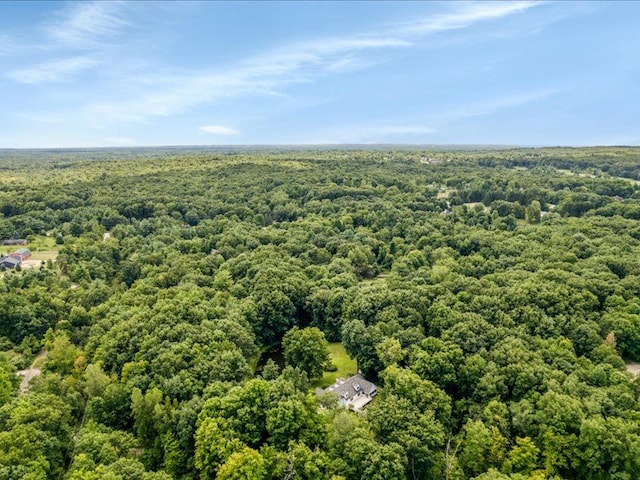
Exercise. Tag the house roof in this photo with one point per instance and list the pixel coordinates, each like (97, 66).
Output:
(351, 386)
(14, 241)
(21, 253)
(10, 262)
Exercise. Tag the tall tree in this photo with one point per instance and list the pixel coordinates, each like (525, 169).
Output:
(307, 349)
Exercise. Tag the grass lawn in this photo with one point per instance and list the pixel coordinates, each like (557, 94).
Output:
(44, 255)
(341, 359)
(566, 171)
(471, 205)
(444, 193)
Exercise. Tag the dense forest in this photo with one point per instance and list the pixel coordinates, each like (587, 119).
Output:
(492, 295)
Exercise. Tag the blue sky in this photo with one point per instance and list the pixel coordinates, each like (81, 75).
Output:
(212, 73)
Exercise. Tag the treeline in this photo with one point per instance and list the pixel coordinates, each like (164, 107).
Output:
(492, 297)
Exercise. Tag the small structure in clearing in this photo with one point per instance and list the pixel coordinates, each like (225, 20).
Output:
(354, 392)
(22, 254)
(14, 241)
(9, 262)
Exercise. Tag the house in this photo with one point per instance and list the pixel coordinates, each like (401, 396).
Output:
(353, 392)
(16, 241)
(9, 262)
(21, 254)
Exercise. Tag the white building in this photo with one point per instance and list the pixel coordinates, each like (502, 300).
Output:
(353, 392)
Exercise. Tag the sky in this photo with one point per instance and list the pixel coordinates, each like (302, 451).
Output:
(95, 74)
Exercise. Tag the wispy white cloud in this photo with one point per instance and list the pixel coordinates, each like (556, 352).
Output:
(494, 104)
(220, 130)
(318, 56)
(264, 75)
(363, 42)
(464, 15)
(94, 27)
(437, 122)
(270, 73)
(53, 71)
(89, 27)
(89, 24)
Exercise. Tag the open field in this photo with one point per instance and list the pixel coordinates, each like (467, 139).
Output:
(445, 193)
(44, 255)
(565, 171)
(485, 209)
(341, 359)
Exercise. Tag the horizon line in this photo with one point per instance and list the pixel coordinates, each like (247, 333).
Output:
(383, 145)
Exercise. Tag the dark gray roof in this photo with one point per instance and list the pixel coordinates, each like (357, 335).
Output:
(351, 386)
(10, 262)
(14, 241)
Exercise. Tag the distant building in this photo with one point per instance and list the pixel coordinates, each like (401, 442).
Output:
(10, 262)
(22, 254)
(16, 241)
(353, 392)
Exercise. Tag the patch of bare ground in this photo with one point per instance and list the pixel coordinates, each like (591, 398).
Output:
(30, 373)
(633, 367)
